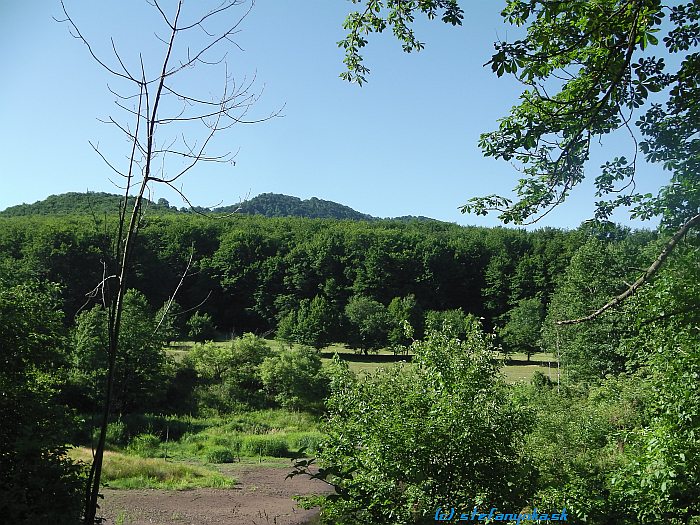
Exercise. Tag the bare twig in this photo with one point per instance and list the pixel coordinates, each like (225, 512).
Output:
(177, 288)
(214, 115)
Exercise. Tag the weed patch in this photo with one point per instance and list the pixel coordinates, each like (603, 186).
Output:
(122, 471)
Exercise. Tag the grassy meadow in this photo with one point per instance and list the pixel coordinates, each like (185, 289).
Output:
(183, 452)
(516, 366)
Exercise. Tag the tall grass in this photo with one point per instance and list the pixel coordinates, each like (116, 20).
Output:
(124, 471)
(258, 434)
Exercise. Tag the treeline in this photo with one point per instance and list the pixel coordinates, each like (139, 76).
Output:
(248, 274)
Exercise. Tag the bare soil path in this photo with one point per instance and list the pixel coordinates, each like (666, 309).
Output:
(262, 496)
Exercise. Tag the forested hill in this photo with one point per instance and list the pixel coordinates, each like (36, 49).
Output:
(277, 205)
(75, 203)
(266, 204)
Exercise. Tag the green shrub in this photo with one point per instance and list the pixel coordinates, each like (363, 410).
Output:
(220, 455)
(191, 438)
(225, 440)
(264, 446)
(294, 377)
(404, 440)
(117, 434)
(145, 445)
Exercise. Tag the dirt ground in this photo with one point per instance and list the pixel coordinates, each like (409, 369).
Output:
(262, 496)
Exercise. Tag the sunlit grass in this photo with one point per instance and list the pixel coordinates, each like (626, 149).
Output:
(122, 471)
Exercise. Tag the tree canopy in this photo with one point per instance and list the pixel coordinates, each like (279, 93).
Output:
(588, 68)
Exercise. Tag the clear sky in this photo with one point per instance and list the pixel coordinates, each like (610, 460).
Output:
(404, 144)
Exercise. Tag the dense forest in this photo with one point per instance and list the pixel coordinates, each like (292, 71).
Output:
(248, 273)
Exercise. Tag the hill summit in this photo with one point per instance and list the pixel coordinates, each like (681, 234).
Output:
(278, 205)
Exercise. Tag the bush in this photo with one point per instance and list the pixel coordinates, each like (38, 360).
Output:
(117, 433)
(229, 373)
(409, 439)
(294, 377)
(38, 483)
(145, 445)
(201, 327)
(220, 455)
(539, 380)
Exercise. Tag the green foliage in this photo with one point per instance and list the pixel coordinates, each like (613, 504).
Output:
(377, 16)
(200, 327)
(144, 445)
(211, 360)
(309, 442)
(579, 443)
(139, 381)
(404, 310)
(588, 69)
(255, 270)
(276, 205)
(451, 322)
(589, 351)
(368, 323)
(522, 331)
(243, 379)
(266, 204)
(313, 323)
(410, 439)
(169, 321)
(221, 455)
(89, 203)
(661, 478)
(38, 482)
(294, 378)
(609, 46)
(271, 446)
(117, 435)
(230, 372)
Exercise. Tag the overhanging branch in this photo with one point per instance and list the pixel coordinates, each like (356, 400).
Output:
(648, 274)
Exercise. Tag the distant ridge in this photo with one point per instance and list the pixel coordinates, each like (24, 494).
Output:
(76, 203)
(266, 204)
(278, 205)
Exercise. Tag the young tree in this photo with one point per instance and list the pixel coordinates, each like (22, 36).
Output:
(588, 351)
(38, 482)
(409, 439)
(200, 327)
(314, 323)
(211, 360)
(169, 321)
(523, 329)
(451, 322)
(403, 310)
(294, 378)
(369, 323)
(156, 104)
(139, 379)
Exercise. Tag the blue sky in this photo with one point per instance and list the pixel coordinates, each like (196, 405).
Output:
(403, 144)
